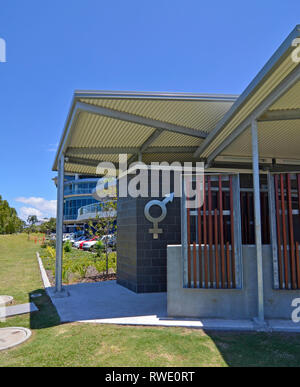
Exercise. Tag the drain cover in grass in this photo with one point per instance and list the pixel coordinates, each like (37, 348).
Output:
(6, 300)
(11, 337)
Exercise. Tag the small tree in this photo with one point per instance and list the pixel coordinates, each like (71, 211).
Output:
(105, 224)
(9, 220)
(48, 227)
(31, 221)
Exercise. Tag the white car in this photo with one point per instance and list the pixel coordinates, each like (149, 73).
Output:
(110, 239)
(89, 244)
(78, 241)
(68, 237)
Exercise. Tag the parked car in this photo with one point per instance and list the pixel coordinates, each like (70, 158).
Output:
(78, 241)
(73, 238)
(110, 239)
(68, 236)
(87, 240)
(89, 244)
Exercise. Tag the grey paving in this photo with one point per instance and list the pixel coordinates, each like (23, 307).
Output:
(110, 303)
(106, 300)
(9, 311)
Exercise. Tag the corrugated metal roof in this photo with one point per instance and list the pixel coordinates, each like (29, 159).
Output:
(290, 100)
(91, 130)
(168, 157)
(276, 139)
(80, 169)
(175, 139)
(201, 115)
(279, 75)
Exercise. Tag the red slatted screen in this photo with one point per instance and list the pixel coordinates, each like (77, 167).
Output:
(214, 264)
(287, 204)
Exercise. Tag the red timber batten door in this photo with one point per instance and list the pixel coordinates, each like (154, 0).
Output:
(212, 231)
(285, 229)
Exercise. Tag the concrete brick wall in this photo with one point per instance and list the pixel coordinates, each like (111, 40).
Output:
(142, 260)
(152, 253)
(126, 243)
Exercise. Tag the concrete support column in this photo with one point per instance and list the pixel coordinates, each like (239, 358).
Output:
(59, 225)
(257, 222)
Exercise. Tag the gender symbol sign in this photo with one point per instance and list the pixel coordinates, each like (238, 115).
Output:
(163, 206)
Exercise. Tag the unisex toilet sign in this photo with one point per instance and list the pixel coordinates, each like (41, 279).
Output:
(163, 206)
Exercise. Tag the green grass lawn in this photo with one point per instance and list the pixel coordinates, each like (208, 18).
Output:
(55, 344)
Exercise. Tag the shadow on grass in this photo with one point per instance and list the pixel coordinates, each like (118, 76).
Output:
(258, 349)
(47, 315)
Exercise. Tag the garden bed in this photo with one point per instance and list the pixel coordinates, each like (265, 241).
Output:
(80, 266)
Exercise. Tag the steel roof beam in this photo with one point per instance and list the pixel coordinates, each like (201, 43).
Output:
(280, 115)
(110, 151)
(73, 151)
(135, 119)
(85, 162)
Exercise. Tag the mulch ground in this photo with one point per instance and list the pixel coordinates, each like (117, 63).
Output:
(91, 276)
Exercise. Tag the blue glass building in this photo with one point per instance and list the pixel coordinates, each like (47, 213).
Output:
(80, 205)
(78, 190)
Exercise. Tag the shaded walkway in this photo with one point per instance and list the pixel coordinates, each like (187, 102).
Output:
(106, 300)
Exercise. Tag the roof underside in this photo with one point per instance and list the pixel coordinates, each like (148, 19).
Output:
(94, 137)
(280, 136)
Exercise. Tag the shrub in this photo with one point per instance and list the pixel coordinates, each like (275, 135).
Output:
(100, 263)
(51, 252)
(48, 242)
(80, 266)
(66, 269)
(67, 246)
(99, 247)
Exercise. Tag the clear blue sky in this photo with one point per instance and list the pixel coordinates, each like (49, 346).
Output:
(55, 47)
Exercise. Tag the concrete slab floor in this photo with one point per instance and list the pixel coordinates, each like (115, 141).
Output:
(110, 303)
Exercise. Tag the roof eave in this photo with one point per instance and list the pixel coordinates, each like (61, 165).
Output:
(98, 94)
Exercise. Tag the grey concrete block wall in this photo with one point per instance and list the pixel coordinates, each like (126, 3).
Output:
(152, 253)
(126, 243)
(228, 303)
(142, 260)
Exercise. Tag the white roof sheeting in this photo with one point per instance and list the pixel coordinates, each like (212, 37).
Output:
(276, 139)
(87, 130)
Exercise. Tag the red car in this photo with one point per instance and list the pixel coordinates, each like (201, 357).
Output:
(88, 240)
